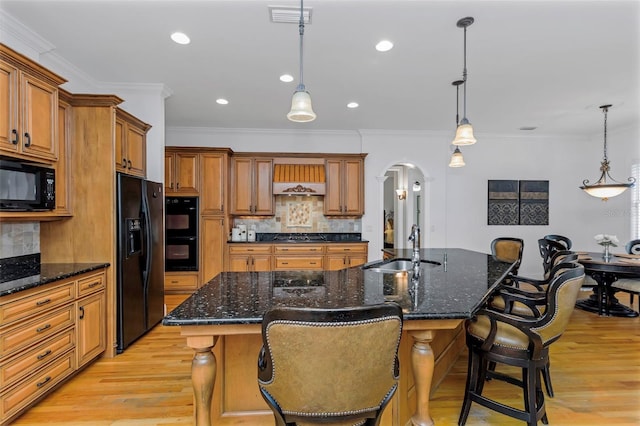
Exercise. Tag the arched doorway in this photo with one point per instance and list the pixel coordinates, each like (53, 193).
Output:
(403, 204)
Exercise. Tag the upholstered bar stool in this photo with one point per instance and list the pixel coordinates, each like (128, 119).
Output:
(630, 285)
(565, 241)
(494, 336)
(330, 367)
(508, 249)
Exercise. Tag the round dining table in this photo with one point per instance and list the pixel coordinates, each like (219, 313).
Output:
(605, 272)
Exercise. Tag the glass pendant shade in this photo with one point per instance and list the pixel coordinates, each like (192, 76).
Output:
(301, 108)
(456, 159)
(464, 134)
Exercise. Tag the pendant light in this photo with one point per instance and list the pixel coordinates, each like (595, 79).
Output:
(464, 132)
(456, 158)
(301, 109)
(606, 186)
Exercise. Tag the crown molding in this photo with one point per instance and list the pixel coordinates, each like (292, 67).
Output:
(22, 38)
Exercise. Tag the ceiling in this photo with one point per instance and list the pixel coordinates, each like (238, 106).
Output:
(544, 64)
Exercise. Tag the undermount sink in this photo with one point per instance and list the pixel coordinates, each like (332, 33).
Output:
(399, 265)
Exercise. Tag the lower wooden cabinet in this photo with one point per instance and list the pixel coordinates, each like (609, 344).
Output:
(180, 282)
(47, 334)
(341, 256)
(249, 257)
(294, 257)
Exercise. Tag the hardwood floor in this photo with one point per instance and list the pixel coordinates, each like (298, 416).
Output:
(595, 369)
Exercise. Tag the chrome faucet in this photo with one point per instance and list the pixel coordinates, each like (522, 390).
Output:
(414, 237)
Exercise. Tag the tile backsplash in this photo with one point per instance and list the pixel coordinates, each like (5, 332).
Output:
(19, 239)
(300, 213)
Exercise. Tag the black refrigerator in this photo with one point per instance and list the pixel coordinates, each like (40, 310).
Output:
(140, 267)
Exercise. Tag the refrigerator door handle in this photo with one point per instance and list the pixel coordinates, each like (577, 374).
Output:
(148, 252)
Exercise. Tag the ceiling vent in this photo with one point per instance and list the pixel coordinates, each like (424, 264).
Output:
(289, 14)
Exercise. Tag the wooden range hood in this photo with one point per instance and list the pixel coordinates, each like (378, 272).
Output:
(299, 176)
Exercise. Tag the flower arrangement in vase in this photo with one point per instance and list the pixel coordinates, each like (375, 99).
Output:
(607, 241)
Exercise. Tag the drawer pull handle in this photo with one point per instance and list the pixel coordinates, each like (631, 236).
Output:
(44, 382)
(313, 263)
(95, 283)
(81, 312)
(347, 249)
(285, 263)
(44, 355)
(174, 282)
(43, 328)
(43, 302)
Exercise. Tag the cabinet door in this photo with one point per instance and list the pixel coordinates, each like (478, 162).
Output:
(91, 321)
(261, 263)
(63, 201)
(241, 186)
(8, 108)
(121, 153)
(213, 171)
(336, 262)
(333, 197)
(352, 187)
(169, 172)
(186, 172)
(357, 260)
(136, 141)
(263, 187)
(212, 247)
(39, 118)
(239, 262)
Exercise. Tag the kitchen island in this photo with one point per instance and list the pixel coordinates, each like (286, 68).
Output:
(222, 323)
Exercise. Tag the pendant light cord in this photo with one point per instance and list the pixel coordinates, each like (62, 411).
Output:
(464, 75)
(301, 30)
(605, 109)
(457, 103)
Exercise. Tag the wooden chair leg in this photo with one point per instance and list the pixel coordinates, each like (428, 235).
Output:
(472, 383)
(547, 379)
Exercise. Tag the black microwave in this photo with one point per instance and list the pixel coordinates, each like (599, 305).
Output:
(26, 186)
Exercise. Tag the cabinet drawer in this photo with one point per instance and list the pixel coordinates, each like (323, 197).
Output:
(18, 308)
(346, 248)
(249, 249)
(287, 263)
(297, 249)
(16, 338)
(90, 284)
(181, 282)
(32, 388)
(24, 364)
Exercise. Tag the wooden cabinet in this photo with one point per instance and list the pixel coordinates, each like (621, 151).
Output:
(62, 166)
(181, 173)
(288, 257)
(345, 187)
(249, 257)
(46, 334)
(252, 186)
(180, 282)
(212, 247)
(28, 108)
(213, 183)
(131, 144)
(345, 255)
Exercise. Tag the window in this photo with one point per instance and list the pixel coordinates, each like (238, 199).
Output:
(635, 203)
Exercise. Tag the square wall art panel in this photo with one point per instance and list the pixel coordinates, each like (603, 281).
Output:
(518, 202)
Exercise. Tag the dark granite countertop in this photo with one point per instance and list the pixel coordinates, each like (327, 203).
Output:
(42, 274)
(304, 237)
(452, 290)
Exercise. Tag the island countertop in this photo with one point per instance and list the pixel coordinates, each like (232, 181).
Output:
(454, 289)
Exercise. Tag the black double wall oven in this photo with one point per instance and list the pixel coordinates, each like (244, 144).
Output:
(181, 234)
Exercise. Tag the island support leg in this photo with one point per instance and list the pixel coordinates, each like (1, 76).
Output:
(203, 376)
(422, 361)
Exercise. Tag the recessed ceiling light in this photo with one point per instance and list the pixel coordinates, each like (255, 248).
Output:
(222, 101)
(384, 46)
(180, 38)
(353, 105)
(286, 78)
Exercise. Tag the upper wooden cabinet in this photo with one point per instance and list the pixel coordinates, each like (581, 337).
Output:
(252, 186)
(131, 144)
(28, 108)
(345, 187)
(181, 172)
(213, 183)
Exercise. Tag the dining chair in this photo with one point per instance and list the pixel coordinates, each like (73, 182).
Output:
(630, 285)
(508, 249)
(566, 241)
(493, 336)
(329, 366)
(548, 248)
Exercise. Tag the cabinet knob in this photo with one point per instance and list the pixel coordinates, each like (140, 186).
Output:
(27, 136)
(14, 132)
(177, 185)
(124, 162)
(129, 163)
